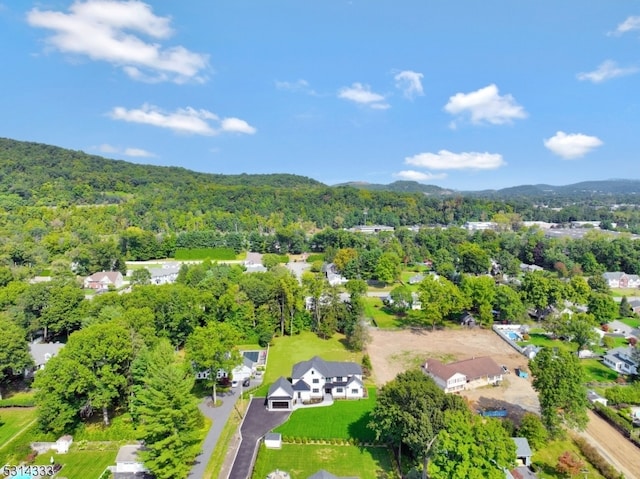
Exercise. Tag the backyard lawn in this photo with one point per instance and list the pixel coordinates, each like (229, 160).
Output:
(547, 458)
(343, 420)
(288, 350)
(597, 372)
(13, 420)
(77, 464)
(374, 308)
(541, 339)
(303, 460)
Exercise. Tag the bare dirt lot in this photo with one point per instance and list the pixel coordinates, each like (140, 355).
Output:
(623, 455)
(392, 352)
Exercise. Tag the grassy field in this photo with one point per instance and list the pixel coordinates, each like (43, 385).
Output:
(13, 420)
(540, 339)
(288, 350)
(343, 420)
(303, 460)
(620, 292)
(88, 464)
(547, 458)
(18, 398)
(597, 372)
(633, 322)
(374, 308)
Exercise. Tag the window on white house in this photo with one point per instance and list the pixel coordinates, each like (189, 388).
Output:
(316, 381)
(339, 390)
(315, 390)
(355, 391)
(338, 379)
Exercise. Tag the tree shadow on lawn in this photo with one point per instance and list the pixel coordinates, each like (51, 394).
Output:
(359, 429)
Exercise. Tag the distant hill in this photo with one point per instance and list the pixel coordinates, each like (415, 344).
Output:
(400, 187)
(584, 189)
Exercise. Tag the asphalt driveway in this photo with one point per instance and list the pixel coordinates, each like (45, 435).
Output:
(257, 422)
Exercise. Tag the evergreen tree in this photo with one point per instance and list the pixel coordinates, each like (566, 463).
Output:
(169, 416)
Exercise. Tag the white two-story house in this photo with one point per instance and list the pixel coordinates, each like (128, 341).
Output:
(621, 360)
(312, 380)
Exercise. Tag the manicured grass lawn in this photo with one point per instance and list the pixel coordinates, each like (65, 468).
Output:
(374, 308)
(343, 420)
(13, 420)
(77, 464)
(303, 460)
(620, 292)
(547, 458)
(633, 322)
(540, 339)
(597, 372)
(288, 350)
(18, 398)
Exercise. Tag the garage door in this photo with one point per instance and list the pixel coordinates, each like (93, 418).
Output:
(280, 405)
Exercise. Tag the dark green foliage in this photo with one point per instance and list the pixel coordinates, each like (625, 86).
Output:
(595, 459)
(624, 394)
(169, 418)
(14, 349)
(559, 379)
(215, 254)
(532, 428)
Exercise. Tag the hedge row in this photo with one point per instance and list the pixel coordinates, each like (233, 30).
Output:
(596, 460)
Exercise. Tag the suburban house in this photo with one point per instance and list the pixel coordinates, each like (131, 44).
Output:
(618, 279)
(41, 353)
(312, 380)
(523, 460)
(635, 305)
(128, 464)
(466, 374)
(415, 303)
(243, 371)
(621, 360)
(165, 275)
(333, 277)
(253, 263)
(416, 278)
(104, 280)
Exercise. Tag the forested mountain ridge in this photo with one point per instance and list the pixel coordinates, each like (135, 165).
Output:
(26, 168)
(400, 187)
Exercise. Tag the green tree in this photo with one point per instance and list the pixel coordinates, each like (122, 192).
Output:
(140, 276)
(14, 349)
(603, 308)
(470, 447)
(508, 304)
(401, 298)
(559, 379)
(578, 290)
(168, 414)
(410, 411)
(532, 428)
(213, 347)
(580, 328)
(625, 310)
(473, 259)
(440, 298)
(388, 268)
(481, 291)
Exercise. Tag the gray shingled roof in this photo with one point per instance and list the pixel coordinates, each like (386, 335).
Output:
(522, 447)
(42, 352)
(328, 369)
(281, 383)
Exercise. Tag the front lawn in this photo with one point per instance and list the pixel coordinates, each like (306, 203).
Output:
(633, 322)
(289, 350)
(345, 419)
(303, 460)
(13, 420)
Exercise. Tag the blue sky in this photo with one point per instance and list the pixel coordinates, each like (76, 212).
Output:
(466, 95)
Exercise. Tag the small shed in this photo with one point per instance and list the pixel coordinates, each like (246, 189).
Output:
(273, 440)
(63, 444)
(523, 450)
(594, 397)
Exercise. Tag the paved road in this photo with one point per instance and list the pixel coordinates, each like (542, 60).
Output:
(257, 422)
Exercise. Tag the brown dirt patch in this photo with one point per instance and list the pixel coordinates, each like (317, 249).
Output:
(393, 352)
(622, 455)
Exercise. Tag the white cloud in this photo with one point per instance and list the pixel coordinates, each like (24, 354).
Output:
(111, 31)
(106, 148)
(447, 160)
(296, 86)
(573, 145)
(363, 95)
(630, 24)
(114, 150)
(486, 106)
(413, 175)
(410, 83)
(237, 125)
(138, 153)
(184, 120)
(606, 71)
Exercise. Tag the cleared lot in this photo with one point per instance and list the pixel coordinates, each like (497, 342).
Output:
(392, 352)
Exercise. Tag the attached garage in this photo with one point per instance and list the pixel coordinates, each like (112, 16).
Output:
(280, 396)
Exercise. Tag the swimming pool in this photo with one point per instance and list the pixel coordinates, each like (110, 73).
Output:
(513, 336)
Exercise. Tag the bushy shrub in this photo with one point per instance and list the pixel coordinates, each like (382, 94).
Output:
(596, 460)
